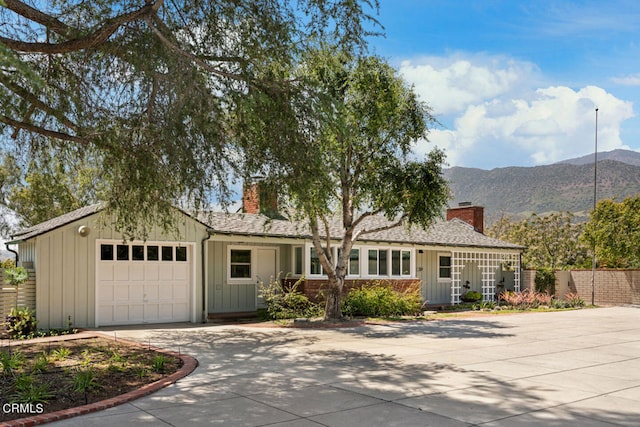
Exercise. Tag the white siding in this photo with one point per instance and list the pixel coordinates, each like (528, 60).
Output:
(66, 270)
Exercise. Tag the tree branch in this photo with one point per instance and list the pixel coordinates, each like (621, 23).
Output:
(35, 15)
(364, 231)
(44, 132)
(322, 256)
(198, 61)
(91, 40)
(37, 103)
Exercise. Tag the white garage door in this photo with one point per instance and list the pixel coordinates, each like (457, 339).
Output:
(143, 283)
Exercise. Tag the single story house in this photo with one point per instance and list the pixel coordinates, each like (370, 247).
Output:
(85, 272)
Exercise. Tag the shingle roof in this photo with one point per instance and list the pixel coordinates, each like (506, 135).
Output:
(59, 221)
(441, 233)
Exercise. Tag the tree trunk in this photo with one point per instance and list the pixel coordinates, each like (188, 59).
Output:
(333, 307)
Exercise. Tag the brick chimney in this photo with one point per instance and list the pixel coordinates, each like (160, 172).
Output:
(259, 198)
(472, 215)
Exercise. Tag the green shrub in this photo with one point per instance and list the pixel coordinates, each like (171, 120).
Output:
(545, 281)
(60, 353)
(484, 305)
(379, 299)
(22, 323)
(10, 361)
(286, 302)
(471, 296)
(573, 300)
(15, 276)
(27, 390)
(158, 363)
(85, 381)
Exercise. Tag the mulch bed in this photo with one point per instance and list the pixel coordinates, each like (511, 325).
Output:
(118, 367)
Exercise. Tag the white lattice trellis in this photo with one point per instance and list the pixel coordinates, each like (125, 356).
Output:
(488, 262)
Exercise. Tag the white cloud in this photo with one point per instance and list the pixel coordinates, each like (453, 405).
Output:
(450, 84)
(631, 80)
(499, 113)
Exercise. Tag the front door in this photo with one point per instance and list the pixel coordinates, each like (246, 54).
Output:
(266, 270)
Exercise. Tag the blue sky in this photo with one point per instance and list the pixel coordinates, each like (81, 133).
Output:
(516, 83)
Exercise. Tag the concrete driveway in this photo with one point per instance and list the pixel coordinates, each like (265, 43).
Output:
(568, 368)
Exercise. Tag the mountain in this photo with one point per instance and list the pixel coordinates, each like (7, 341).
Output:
(624, 156)
(565, 186)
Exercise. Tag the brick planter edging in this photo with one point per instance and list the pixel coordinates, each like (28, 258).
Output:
(189, 364)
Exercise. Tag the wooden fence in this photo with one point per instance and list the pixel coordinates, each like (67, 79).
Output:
(26, 295)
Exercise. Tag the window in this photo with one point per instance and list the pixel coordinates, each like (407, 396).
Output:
(181, 253)
(137, 253)
(395, 263)
(122, 252)
(167, 253)
(142, 252)
(240, 263)
(354, 263)
(444, 267)
(297, 260)
(315, 266)
(106, 252)
(152, 253)
(378, 262)
(406, 263)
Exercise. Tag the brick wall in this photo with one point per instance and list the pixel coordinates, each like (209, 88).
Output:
(314, 288)
(527, 279)
(612, 287)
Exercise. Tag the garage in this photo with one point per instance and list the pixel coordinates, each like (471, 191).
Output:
(139, 283)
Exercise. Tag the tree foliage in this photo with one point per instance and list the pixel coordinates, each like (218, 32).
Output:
(552, 241)
(614, 231)
(165, 96)
(49, 187)
(359, 167)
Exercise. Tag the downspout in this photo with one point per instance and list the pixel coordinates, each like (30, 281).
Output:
(203, 242)
(6, 245)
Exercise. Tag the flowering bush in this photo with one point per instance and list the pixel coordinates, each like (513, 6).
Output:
(526, 299)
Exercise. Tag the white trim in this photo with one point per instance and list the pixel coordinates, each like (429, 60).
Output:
(240, 280)
(253, 278)
(488, 263)
(363, 258)
(191, 258)
(444, 279)
(293, 260)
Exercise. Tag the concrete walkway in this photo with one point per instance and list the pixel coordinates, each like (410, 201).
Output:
(578, 368)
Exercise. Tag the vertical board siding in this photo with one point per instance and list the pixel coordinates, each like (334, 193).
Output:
(434, 291)
(227, 297)
(66, 266)
(27, 251)
(471, 273)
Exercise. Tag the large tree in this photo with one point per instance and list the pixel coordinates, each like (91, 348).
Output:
(361, 177)
(164, 94)
(551, 241)
(46, 188)
(613, 231)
